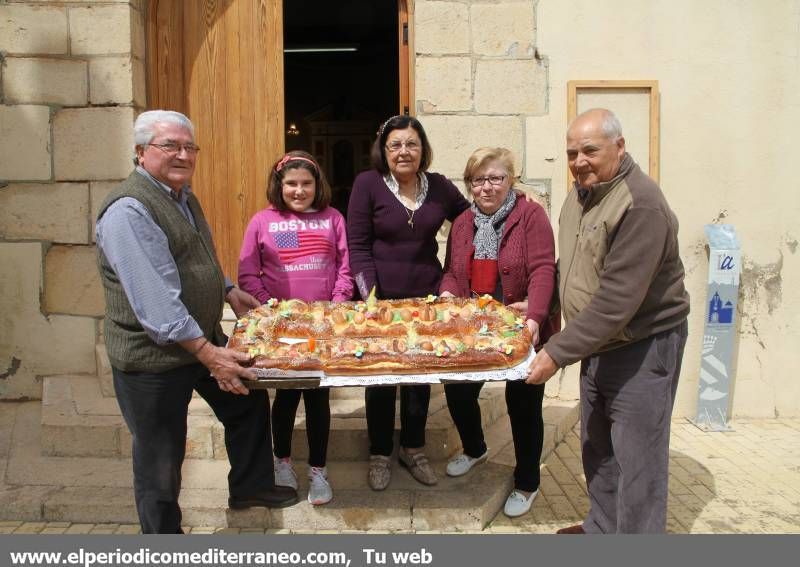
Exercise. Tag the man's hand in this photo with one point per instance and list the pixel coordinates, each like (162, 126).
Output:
(241, 302)
(541, 369)
(224, 364)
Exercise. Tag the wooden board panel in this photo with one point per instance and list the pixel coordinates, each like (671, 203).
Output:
(646, 88)
(221, 63)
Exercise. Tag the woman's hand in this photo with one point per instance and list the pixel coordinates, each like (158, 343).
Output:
(533, 327)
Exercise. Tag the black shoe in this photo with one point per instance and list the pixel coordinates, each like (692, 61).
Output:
(278, 497)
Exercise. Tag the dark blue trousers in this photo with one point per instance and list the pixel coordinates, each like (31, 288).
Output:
(155, 408)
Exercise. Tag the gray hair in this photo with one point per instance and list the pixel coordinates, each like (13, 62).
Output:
(146, 121)
(610, 125)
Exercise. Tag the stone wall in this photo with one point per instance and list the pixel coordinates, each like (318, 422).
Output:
(71, 82)
(478, 77)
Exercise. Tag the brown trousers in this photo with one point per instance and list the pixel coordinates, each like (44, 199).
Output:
(627, 396)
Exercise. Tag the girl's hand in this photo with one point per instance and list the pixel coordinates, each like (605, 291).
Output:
(446, 294)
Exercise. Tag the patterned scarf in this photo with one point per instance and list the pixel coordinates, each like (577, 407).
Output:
(489, 228)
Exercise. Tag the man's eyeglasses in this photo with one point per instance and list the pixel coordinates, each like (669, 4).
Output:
(173, 149)
(493, 180)
(411, 145)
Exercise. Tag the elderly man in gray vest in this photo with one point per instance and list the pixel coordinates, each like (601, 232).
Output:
(164, 292)
(625, 307)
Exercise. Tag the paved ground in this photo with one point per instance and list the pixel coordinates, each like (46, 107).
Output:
(743, 481)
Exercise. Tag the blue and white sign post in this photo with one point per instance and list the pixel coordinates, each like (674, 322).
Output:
(716, 364)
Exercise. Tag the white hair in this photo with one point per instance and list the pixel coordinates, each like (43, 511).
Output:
(143, 128)
(145, 122)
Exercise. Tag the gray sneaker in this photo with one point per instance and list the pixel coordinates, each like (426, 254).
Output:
(284, 473)
(319, 489)
(462, 464)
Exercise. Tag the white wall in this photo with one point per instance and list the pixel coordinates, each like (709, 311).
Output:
(729, 78)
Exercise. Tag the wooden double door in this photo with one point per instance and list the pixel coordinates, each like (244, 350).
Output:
(220, 62)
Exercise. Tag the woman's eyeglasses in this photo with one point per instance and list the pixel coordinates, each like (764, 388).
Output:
(411, 145)
(493, 180)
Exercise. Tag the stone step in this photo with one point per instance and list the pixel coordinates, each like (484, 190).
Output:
(38, 487)
(79, 420)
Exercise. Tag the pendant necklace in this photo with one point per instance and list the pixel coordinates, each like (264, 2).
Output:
(410, 214)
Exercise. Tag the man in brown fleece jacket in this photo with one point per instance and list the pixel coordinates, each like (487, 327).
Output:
(625, 307)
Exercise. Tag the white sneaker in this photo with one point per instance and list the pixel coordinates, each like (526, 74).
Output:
(517, 504)
(284, 473)
(319, 489)
(462, 464)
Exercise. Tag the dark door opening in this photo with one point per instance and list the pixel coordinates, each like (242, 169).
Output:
(341, 80)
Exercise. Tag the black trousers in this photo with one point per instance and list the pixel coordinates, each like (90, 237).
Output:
(380, 402)
(155, 408)
(318, 422)
(524, 402)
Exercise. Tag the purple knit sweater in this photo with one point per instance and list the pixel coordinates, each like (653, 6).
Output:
(384, 250)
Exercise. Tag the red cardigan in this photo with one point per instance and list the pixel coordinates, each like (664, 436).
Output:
(526, 262)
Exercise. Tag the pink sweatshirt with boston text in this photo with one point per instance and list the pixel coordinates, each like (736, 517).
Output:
(288, 255)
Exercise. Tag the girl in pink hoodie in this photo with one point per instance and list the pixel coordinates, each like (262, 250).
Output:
(296, 248)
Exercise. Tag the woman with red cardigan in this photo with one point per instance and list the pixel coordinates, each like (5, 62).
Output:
(502, 246)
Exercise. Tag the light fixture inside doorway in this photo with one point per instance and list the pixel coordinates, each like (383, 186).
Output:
(292, 131)
(330, 48)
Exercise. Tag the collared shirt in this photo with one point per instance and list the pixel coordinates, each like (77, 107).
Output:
(138, 251)
(394, 187)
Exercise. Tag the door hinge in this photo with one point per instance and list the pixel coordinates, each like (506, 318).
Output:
(405, 110)
(405, 34)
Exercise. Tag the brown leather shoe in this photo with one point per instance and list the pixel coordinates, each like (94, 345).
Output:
(577, 529)
(418, 465)
(380, 472)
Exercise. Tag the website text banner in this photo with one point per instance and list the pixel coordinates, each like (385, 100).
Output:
(522, 550)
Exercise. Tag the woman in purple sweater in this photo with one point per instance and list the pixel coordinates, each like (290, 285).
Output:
(502, 246)
(395, 212)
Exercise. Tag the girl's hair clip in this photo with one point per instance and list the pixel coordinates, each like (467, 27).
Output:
(287, 158)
